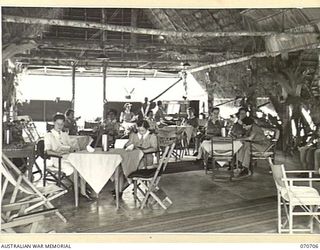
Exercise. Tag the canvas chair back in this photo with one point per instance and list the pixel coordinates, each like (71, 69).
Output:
(228, 147)
(278, 173)
(40, 149)
(169, 144)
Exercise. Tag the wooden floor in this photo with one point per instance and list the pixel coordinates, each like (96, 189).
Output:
(200, 204)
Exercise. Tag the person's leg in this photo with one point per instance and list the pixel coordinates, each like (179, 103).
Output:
(317, 160)
(200, 151)
(310, 158)
(68, 169)
(303, 154)
(82, 186)
(245, 155)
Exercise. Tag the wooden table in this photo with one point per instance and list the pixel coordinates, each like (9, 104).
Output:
(28, 151)
(99, 167)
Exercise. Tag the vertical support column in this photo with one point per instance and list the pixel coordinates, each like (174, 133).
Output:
(73, 85)
(209, 88)
(134, 21)
(104, 73)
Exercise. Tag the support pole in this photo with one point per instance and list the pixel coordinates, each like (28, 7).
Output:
(104, 72)
(73, 85)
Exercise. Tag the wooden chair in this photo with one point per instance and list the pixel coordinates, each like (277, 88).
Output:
(292, 197)
(225, 155)
(270, 151)
(23, 197)
(146, 181)
(51, 173)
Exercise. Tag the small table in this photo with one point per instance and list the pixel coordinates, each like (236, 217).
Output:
(28, 151)
(97, 168)
(206, 146)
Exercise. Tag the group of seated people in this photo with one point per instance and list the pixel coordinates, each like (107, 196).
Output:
(310, 153)
(143, 137)
(244, 129)
(58, 142)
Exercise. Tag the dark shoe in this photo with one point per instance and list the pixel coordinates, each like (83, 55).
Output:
(244, 172)
(195, 154)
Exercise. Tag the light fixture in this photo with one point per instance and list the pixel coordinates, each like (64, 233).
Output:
(186, 64)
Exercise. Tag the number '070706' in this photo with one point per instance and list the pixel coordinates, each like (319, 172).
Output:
(309, 246)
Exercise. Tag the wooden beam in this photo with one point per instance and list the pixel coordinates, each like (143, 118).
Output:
(128, 29)
(12, 49)
(111, 60)
(247, 58)
(227, 62)
(61, 44)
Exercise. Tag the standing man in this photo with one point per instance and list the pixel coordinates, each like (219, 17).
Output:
(144, 109)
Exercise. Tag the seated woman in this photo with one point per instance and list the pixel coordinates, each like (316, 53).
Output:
(127, 115)
(192, 121)
(254, 138)
(145, 141)
(70, 124)
(142, 140)
(57, 142)
(127, 119)
(160, 113)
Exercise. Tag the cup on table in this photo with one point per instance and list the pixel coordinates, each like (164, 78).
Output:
(105, 142)
(223, 132)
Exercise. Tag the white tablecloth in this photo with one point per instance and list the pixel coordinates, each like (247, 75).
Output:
(220, 146)
(96, 168)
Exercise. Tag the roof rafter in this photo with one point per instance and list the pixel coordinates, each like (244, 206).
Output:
(128, 29)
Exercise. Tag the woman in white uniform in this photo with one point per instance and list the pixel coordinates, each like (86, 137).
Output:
(57, 142)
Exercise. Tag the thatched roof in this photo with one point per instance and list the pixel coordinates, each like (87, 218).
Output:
(154, 42)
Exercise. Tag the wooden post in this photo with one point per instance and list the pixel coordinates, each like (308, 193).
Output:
(134, 21)
(104, 69)
(73, 85)
(209, 89)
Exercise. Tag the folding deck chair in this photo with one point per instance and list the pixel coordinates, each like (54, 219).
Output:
(24, 197)
(146, 181)
(291, 197)
(270, 151)
(31, 219)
